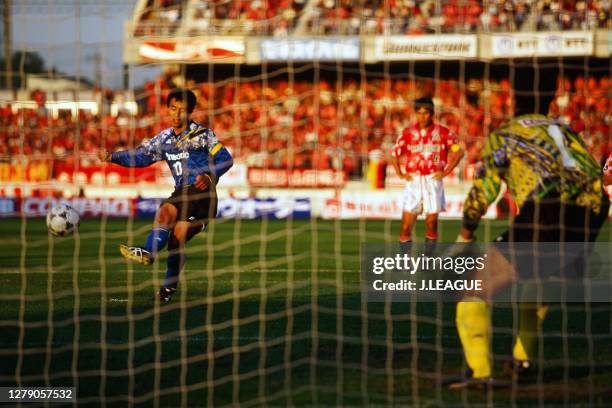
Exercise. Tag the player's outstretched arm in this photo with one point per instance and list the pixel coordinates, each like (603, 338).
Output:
(486, 186)
(142, 156)
(104, 155)
(483, 193)
(127, 158)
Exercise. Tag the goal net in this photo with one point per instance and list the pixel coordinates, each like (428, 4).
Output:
(309, 97)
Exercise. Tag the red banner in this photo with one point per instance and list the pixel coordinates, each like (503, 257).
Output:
(215, 49)
(295, 178)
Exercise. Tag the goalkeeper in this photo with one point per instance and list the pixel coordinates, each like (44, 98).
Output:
(197, 160)
(557, 187)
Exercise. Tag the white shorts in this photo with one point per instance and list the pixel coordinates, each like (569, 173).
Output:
(424, 194)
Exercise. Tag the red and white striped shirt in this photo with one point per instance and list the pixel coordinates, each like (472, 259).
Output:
(608, 167)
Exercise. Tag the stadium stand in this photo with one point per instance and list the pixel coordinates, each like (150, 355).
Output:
(367, 17)
(309, 96)
(159, 17)
(294, 139)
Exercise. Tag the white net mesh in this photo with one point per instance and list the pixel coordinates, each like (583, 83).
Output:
(269, 309)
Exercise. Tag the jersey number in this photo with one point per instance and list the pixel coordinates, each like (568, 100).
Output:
(557, 135)
(178, 168)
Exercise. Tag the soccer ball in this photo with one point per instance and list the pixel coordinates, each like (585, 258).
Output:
(63, 220)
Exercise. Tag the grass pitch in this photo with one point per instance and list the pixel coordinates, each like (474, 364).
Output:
(267, 313)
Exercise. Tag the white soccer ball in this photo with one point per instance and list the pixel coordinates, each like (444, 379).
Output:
(63, 220)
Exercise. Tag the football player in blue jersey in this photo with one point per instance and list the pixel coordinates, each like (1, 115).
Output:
(197, 160)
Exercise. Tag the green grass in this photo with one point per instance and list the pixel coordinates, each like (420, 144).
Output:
(268, 313)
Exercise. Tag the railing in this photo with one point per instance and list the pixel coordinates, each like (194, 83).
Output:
(362, 25)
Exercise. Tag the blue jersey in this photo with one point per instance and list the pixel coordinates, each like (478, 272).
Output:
(194, 152)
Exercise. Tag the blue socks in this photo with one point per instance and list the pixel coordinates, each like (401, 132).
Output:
(157, 240)
(175, 262)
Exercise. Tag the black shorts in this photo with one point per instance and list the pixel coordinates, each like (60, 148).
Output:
(542, 238)
(194, 204)
(549, 220)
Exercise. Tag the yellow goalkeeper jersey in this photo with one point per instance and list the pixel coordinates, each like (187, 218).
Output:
(535, 155)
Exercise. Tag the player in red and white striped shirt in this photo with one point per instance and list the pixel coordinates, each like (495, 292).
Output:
(431, 152)
(607, 172)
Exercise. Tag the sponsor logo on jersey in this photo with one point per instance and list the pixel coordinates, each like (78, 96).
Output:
(532, 122)
(179, 156)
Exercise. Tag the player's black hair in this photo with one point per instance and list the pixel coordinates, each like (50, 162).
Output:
(183, 95)
(425, 102)
(534, 87)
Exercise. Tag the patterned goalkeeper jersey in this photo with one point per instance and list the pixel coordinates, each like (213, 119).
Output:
(535, 155)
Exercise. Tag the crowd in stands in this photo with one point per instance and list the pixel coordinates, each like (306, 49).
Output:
(159, 17)
(259, 17)
(412, 17)
(350, 17)
(573, 15)
(305, 125)
(450, 16)
(203, 17)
